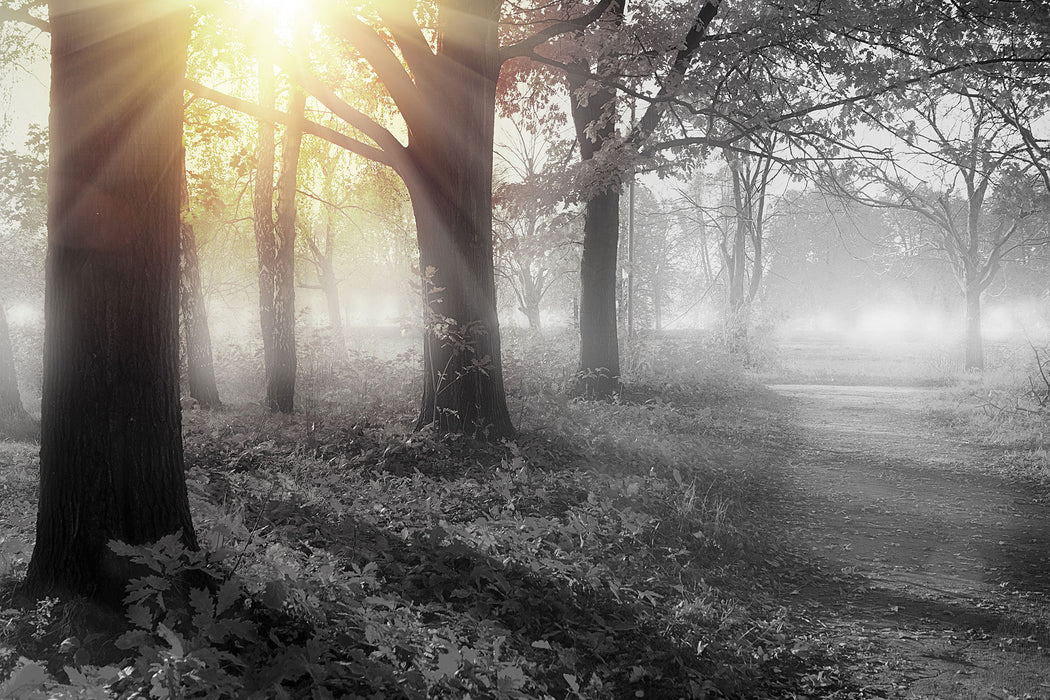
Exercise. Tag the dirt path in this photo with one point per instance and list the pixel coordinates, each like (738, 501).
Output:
(936, 571)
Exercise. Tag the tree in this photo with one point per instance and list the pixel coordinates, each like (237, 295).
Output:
(967, 178)
(445, 90)
(739, 213)
(200, 365)
(594, 116)
(111, 460)
(532, 231)
(320, 244)
(262, 218)
(280, 385)
(15, 422)
(593, 89)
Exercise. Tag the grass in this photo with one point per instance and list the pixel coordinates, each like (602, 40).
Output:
(622, 549)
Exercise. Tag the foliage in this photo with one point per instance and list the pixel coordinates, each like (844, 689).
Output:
(611, 550)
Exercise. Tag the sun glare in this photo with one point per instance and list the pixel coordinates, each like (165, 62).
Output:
(285, 14)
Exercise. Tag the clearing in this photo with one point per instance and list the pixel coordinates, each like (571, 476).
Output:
(941, 565)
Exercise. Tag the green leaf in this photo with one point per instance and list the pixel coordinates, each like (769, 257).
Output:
(140, 616)
(172, 639)
(27, 676)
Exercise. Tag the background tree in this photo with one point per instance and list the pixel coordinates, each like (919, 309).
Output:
(200, 363)
(23, 192)
(15, 422)
(967, 176)
(532, 224)
(111, 461)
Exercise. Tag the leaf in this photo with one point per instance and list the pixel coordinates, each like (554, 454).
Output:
(541, 644)
(29, 675)
(574, 684)
(172, 639)
(274, 595)
(140, 616)
(228, 594)
(203, 608)
(448, 663)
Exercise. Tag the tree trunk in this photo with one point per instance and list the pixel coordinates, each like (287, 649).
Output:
(451, 190)
(111, 460)
(330, 288)
(329, 282)
(599, 372)
(530, 299)
(974, 346)
(280, 386)
(598, 375)
(13, 416)
(200, 367)
(262, 217)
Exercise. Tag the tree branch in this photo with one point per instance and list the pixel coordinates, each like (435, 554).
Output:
(383, 61)
(525, 46)
(278, 117)
(22, 14)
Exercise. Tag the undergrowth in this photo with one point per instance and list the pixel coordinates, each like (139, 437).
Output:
(613, 550)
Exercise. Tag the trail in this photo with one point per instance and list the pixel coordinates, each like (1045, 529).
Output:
(935, 569)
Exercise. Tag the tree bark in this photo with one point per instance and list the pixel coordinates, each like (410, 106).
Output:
(111, 460)
(531, 296)
(200, 365)
(598, 375)
(13, 415)
(974, 344)
(262, 217)
(450, 183)
(280, 387)
(330, 289)
(325, 260)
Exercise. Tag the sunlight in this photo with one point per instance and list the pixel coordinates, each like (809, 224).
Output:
(286, 15)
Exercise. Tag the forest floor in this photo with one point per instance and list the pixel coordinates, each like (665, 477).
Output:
(942, 564)
(702, 536)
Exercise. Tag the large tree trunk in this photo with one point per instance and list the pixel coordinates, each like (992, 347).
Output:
(974, 345)
(13, 416)
(598, 375)
(111, 460)
(262, 217)
(451, 190)
(280, 387)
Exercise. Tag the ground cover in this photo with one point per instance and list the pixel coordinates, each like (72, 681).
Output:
(612, 550)
(703, 536)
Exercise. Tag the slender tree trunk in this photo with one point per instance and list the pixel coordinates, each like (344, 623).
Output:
(974, 344)
(451, 191)
(280, 387)
(13, 414)
(328, 280)
(262, 217)
(530, 297)
(330, 288)
(111, 460)
(200, 366)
